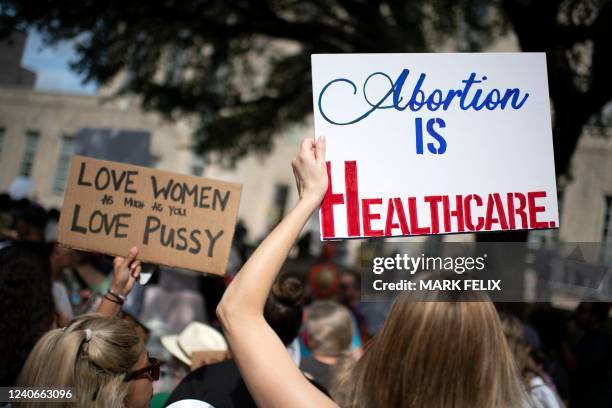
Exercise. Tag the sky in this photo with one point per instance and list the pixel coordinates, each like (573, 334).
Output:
(52, 66)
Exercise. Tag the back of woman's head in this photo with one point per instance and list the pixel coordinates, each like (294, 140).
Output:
(514, 332)
(92, 354)
(283, 309)
(329, 328)
(515, 336)
(26, 302)
(446, 351)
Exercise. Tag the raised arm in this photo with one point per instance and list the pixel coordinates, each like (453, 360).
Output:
(269, 372)
(125, 274)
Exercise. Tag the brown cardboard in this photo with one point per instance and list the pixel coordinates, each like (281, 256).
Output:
(202, 358)
(173, 219)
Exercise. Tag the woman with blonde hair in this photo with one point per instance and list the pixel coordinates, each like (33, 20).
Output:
(102, 358)
(444, 350)
(26, 299)
(429, 354)
(328, 333)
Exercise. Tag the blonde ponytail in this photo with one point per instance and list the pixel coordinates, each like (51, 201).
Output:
(92, 354)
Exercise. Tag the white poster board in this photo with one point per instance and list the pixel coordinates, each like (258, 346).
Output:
(434, 143)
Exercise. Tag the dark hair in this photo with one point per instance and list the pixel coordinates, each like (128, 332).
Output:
(34, 215)
(597, 310)
(53, 214)
(600, 311)
(283, 309)
(6, 203)
(26, 304)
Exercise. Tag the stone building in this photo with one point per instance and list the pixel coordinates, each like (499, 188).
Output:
(37, 130)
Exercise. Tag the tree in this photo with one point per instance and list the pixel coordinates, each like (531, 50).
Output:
(576, 37)
(242, 68)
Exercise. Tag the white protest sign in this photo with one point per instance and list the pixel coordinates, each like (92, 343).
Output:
(434, 143)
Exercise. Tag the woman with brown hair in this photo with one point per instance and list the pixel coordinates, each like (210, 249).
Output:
(428, 354)
(534, 379)
(102, 358)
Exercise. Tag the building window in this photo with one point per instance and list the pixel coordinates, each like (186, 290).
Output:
(2, 132)
(196, 168)
(277, 211)
(607, 225)
(63, 164)
(27, 162)
(281, 193)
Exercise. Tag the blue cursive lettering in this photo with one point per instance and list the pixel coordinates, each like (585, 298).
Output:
(470, 96)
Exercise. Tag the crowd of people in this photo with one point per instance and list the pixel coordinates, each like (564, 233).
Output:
(276, 338)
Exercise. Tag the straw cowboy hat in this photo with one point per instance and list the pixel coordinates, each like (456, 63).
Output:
(195, 337)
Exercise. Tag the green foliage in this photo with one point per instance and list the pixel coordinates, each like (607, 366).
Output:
(242, 68)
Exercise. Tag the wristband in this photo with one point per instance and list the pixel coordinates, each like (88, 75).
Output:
(120, 298)
(111, 299)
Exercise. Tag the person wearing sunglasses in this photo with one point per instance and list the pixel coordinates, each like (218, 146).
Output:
(100, 357)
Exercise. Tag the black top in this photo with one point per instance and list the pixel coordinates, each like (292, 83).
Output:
(220, 385)
(321, 372)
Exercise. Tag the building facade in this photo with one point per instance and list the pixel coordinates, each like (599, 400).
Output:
(37, 135)
(586, 199)
(37, 130)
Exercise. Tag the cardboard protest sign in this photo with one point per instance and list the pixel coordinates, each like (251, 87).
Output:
(434, 143)
(175, 220)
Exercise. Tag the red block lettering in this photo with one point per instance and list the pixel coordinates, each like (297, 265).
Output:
(352, 198)
(368, 217)
(395, 205)
(327, 207)
(534, 210)
(494, 203)
(468, 212)
(433, 209)
(414, 221)
(457, 213)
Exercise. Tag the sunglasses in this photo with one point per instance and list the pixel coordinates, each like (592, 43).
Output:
(150, 372)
